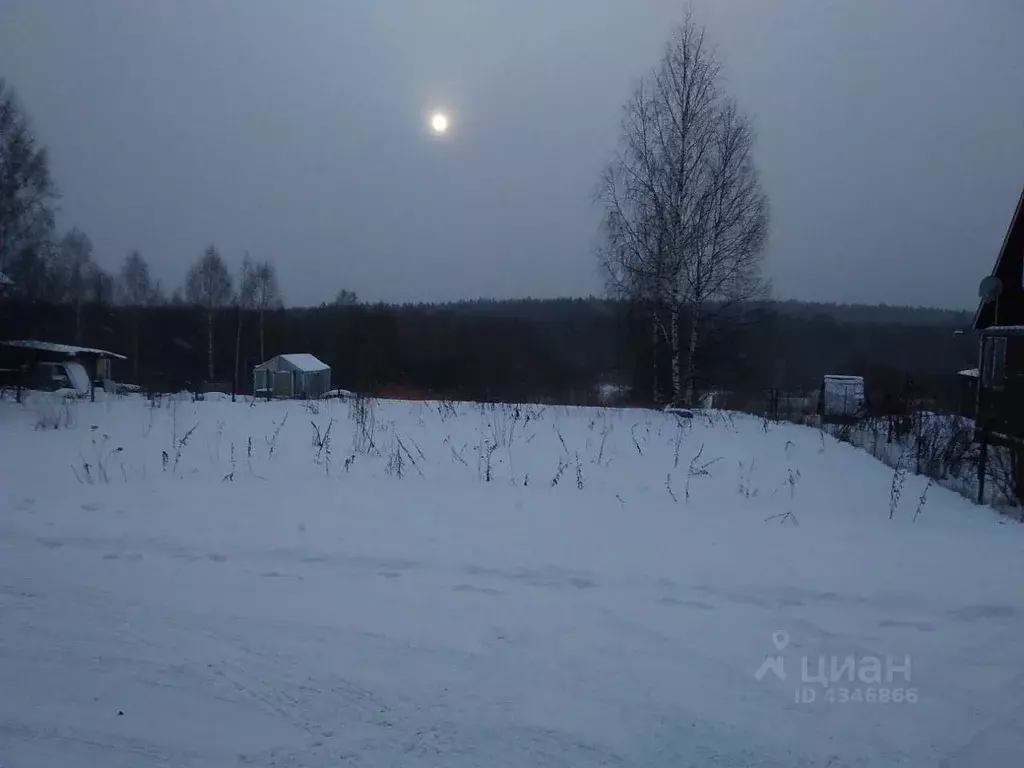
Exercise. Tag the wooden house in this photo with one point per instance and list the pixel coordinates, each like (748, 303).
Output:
(999, 322)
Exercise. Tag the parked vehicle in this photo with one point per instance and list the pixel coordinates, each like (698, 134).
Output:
(50, 377)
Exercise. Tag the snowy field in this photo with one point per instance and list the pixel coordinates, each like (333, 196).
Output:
(216, 584)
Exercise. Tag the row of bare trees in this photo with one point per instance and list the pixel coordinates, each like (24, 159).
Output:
(38, 265)
(685, 216)
(209, 285)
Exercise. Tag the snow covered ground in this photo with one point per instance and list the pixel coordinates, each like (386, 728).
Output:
(232, 587)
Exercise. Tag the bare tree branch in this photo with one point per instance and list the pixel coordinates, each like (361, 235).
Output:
(27, 193)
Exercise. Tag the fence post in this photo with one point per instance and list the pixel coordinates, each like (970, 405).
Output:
(983, 460)
(918, 417)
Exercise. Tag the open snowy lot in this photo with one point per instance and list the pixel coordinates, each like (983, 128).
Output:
(388, 583)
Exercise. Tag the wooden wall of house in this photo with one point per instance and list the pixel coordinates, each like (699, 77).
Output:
(1015, 355)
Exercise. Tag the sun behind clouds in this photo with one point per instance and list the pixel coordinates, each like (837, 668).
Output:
(439, 122)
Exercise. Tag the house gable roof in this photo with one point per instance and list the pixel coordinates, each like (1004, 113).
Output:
(1014, 240)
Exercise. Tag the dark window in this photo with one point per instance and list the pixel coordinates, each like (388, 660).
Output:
(993, 371)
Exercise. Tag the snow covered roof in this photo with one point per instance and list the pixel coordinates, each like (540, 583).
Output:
(303, 361)
(1004, 330)
(306, 362)
(970, 372)
(61, 349)
(5, 280)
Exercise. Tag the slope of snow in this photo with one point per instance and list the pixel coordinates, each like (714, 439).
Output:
(303, 585)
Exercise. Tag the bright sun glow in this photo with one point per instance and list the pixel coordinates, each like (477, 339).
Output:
(439, 123)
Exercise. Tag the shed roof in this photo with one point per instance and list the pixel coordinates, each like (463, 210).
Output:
(61, 349)
(302, 361)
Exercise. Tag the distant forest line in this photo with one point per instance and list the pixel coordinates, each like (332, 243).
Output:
(555, 350)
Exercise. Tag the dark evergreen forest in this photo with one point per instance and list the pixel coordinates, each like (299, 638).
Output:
(529, 350)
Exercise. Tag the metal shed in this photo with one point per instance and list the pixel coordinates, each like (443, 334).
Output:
(292, 375)
(842, 399)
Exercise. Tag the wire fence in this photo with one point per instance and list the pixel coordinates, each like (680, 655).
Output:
(912, 430)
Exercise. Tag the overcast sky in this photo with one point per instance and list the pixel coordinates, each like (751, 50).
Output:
(891, 135)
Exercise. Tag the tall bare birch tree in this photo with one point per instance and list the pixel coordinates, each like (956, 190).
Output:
(244, 301)
(75, 273)
(685, 217)
(208, 286)
(135, 291)
(266, 295)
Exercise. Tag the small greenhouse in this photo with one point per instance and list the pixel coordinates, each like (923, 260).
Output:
(292, 376)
